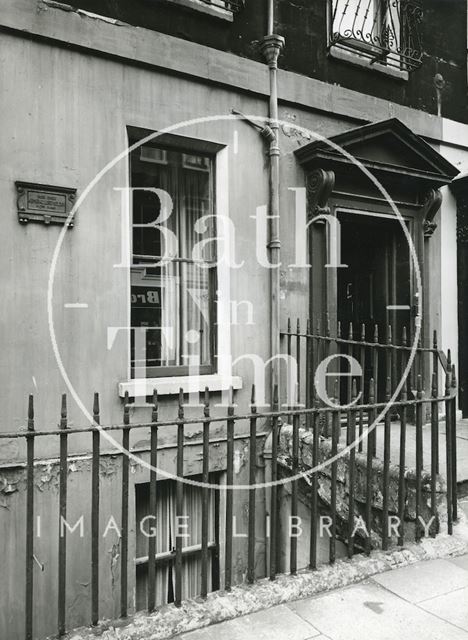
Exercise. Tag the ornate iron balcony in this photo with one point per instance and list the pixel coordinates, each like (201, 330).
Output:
(385, 31)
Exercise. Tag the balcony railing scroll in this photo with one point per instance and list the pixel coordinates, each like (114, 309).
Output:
(384, 31)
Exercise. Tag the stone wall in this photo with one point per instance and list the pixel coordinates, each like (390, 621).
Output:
(342, 490)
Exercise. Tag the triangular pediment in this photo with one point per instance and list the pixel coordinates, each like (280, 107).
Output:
(386, 146)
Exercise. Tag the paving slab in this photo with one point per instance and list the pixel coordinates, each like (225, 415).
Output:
(424, 580)
(278, 623)
(461, 562)
(367, 610)
(452, 607)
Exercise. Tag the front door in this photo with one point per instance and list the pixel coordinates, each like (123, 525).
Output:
(374, 290)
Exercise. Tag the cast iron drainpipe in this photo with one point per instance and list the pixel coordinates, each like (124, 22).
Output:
(271, 47)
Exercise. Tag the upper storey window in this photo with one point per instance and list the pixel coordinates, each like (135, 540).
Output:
(216, 8)
(384, 31)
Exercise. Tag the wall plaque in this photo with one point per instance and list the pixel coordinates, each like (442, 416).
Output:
(44, 203)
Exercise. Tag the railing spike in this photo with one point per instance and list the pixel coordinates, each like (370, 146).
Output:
(434, 341)
(404, 340)
(454, 377)
(126, 409)
(336, 391)
(298, 325)
(351, 332)
(289, 325)
(275, 397)
(419, 387)
(96, 407)
(363, 332)
(434, 385)
(328, 325)
(389, 334)
(449, 359)
(404, 391)
(181, 403)
(354, 389)
(338, 329)
(31, 409)
(155, 409)
(447, 383)
(252, 396)
(308, 327)
(388, 388)
(371, 391)
(376, 333)
(63, 412)
(206, 399)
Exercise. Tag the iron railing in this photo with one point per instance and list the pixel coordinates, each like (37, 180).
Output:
(385, 31)
(323, 430)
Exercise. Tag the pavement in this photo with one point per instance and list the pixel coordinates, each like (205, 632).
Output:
(424, 601)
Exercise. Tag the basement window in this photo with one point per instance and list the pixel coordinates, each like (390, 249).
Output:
(163, 526)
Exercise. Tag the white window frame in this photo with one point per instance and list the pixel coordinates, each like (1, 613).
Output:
(223, 379)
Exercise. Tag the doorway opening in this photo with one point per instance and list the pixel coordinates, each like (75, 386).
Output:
(374, 291)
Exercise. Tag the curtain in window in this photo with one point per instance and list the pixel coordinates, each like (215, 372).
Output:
(175, 298)
(166, 529)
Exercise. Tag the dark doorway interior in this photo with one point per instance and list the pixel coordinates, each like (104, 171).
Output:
(375, 288)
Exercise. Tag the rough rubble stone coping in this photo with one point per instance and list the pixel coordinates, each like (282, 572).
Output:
(246, 599)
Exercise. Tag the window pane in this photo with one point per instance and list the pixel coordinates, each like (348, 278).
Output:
(172, 303)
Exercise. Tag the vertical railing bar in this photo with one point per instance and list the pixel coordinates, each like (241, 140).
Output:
(435, 369)
(376, 383)
(152, 503)
(124, 500)
(362, 362)
(95, 514)
(314, 488)
(453, 416)
(370, 455)
(179, 499)
(298, 360)
(448, 453)
(309, 372)
(289, 348)
(434, 443)
(205, 493)
(29, 522)
(62, 551)
(352, 469)
(229, 493)
(334, 468)
(274, 488)
(252, 492)
(294, 494)
(386, 467)
(402, 458)
(419, 456)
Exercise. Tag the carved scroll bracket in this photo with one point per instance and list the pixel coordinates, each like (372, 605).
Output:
(320, 185)
(431, 206)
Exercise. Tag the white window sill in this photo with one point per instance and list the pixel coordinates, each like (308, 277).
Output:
(361, 61)
(170, 386)
(211, 10)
